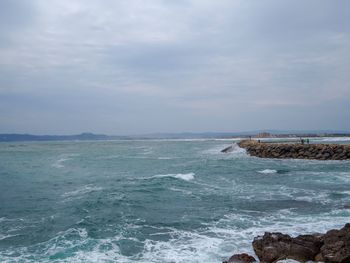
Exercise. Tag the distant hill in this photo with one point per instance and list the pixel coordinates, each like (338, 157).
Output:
(30, 137)
(185, 135)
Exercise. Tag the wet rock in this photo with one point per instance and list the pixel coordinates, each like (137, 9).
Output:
(332, 247)
(241, 258)
(336, 247)
(277, 246)
(346, 206)
(326, 155)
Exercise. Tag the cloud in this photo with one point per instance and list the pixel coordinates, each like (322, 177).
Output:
(134, 67)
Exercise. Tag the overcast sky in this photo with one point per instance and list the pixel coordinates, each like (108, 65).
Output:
(131, 67)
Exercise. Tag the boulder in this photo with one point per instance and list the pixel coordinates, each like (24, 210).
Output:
(332, 247)
(326, 155)
(336, 247)
(277, 246)
(271, 247)
(240, 258)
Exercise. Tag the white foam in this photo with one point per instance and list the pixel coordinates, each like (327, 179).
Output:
(82, 191)
(165, 158)
(335, 139)
(186, 192)
(268, 171)
(234, 150)
(2, 237)
(237, 150)
(147, 152)
(59, 162)
(183, 247)
(214, 242)
(185, 177)
(63, 158)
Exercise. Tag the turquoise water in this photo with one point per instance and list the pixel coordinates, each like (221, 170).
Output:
(157, 201)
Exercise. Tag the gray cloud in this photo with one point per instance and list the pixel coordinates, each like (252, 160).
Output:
(133, 67)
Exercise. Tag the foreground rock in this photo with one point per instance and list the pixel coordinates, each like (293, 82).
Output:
(296, 151)
(333, 247)
(336, 246)
(240, 258)
(276, 246)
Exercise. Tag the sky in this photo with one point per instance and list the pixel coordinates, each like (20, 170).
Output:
(134, 66)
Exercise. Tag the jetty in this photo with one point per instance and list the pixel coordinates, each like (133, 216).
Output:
(296, 150)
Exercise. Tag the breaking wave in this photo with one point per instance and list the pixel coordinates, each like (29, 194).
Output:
(185, 177)
(82, 191)
(268, 171)
(63, 158)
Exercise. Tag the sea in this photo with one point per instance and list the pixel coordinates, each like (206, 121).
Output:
(161, 201)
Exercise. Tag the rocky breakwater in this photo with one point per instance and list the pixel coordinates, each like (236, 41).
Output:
(296, 150)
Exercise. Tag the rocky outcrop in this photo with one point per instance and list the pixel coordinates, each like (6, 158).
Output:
(336, 246)
(296, 150)
(332, 247)
(240, 258)
(276, 246)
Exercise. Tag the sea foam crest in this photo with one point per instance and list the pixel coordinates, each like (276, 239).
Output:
(268, 171)
(83, 190)
(59, 162)
(236, 149)
(2, 237)
(233, 149)
(63, 158)
(335, 139)
(185, 177)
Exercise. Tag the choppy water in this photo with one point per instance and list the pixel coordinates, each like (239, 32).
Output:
(157, 201)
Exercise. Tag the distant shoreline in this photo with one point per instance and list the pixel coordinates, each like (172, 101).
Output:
(165, 136)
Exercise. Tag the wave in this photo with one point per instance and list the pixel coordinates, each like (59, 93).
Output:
(334, 139)
(185, 177)
(3, 237)
(4, 219)
(64, 158)
(82, 191)
(59, 162)
(329, 177)
(268, 171)
(234, 150)
(285, 221)
(237, 150)
(214, 242)
(165, 158)
(186, 192)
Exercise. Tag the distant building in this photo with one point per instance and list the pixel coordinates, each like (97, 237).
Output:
(263, 135)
